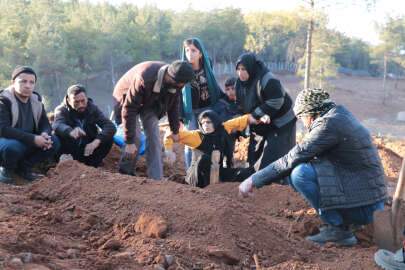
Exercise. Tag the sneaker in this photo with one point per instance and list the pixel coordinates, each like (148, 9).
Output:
(121, 171)
(214, 173)
(389, 260)
(27, 175)
(351, 227)
(6, 176)
(339, 235)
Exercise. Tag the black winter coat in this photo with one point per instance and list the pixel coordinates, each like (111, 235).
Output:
(65, 122)
(347, 164)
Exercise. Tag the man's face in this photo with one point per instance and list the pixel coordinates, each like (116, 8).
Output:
(306, 120)
(207, 126)
(24, 84)
(242, 73)
(78, 102)
(230, 92)
(170, 83)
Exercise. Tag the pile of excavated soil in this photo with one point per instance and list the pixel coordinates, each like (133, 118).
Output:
(79, 217)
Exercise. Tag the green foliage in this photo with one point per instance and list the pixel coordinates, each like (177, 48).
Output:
(70, 41)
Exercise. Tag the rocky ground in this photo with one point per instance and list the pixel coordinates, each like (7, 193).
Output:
(77, 217)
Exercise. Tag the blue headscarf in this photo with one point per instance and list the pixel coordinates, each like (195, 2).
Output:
(213, 87)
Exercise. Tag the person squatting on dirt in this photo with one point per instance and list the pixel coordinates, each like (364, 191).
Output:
(336, 168)
(212, 135)
(202, 93)
(25, 132)
(148, 91)
(77, 123)
(260, 93)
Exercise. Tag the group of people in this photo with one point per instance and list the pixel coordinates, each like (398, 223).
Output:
(336, 167)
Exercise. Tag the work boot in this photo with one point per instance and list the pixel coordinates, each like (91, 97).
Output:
(27, 174)
(340, 235)
(6, 175)
(214, 172)
(352, 227)
(389, 260)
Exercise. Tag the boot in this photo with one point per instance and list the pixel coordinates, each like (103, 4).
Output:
(27, 174)
(340, 235)
(6, 175)
(389, 260)
(214, 173)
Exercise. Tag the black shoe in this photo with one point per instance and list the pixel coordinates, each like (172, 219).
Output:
(27, 175)
(340, 235)
(6, 176)
(127, 173)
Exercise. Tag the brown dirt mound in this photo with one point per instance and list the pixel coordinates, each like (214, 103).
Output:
(80, 217)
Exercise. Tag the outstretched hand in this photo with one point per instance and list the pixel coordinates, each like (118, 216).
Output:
(246, 188)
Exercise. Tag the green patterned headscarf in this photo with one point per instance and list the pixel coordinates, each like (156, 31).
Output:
(312, 101)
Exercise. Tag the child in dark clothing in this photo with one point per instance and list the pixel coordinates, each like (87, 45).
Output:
(212, 135)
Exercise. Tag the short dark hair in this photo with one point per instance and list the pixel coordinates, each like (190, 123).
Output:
(230, 81)
(76, 89)
(22, 69)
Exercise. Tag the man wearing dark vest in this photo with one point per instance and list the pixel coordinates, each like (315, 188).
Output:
(25, 132)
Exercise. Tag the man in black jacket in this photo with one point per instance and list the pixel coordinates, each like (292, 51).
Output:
(77, 123)
(24, 127)
(336, 168)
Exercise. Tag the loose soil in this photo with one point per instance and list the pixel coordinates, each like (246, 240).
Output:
(78, 217)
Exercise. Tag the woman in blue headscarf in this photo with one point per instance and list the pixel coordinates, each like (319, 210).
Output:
(202, 92)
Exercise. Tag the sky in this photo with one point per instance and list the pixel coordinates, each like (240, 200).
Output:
(355, 20)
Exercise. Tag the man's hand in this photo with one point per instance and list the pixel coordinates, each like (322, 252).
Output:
(175, 137)
(130, 150)
(42, 142)
(246, 187)
(265, 119)
(253, 121)
(170, 157)
(90, 147)
(77, 132)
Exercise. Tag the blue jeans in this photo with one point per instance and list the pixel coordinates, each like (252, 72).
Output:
(15, 154)
(303, 179)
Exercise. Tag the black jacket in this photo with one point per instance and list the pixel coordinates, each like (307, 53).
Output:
(66, 120)
(7, 129)
(346, 162)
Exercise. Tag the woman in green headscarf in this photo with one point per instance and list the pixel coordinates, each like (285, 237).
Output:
(202, 92)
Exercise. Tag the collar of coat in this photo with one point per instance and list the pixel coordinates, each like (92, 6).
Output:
(36, 106)
(159, 82)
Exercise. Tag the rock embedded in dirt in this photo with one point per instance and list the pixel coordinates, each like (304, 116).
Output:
(111, 244)
(152, 226)
(225, 256)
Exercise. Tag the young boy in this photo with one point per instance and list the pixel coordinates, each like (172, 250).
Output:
(226, 107)
(212, 135)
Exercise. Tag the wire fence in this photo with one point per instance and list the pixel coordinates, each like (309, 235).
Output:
(229, 67)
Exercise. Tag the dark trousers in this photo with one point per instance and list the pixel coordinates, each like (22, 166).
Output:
(75, 147)
(265, 149)
(17, 155)
(199, 172)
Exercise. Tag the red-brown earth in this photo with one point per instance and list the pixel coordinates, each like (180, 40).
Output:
(78, 217)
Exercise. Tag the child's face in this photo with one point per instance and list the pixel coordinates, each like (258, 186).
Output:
(207, 126)
(230, 92)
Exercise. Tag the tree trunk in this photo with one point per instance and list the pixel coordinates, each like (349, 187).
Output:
(309, 48)
(112, 70)
(385, 80)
